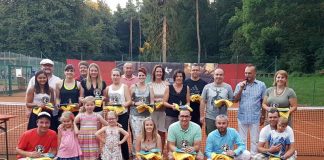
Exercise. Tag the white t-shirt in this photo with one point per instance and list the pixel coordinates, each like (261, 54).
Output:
(265, 133)
(276, 138)
(51, 82)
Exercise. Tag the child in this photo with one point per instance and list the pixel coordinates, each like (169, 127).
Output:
(111, 149)
(69, 148)
(89, 122)
(280, 137)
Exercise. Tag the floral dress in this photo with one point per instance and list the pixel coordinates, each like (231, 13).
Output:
(111, 149)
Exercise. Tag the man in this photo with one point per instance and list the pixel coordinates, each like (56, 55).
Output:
(214, 91)
(196, 86)
(83, 69)
(273, 117)
(128, 78)
(47, 66)
(36, 142)
(185, 136)
(249, 94)
(222, 141)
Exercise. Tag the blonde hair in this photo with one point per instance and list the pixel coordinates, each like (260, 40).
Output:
(86, 100)
(283, 120)
(99, 78)
(112, 113)
(154, 132)
(67, 115)
(283, 73)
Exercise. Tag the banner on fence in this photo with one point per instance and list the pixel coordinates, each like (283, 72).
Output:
(233, 73)
(105, 68)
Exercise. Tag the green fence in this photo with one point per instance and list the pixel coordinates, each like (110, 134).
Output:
(17, 69)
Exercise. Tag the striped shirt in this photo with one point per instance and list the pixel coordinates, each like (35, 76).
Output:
(250, 102)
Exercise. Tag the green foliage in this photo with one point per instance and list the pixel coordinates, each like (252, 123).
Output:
(57, 28)
(290, 30)
(231, 31)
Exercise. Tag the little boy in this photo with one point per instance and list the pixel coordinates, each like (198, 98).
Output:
(279, 137)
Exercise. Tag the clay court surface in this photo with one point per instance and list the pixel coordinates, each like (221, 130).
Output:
(16, 97)
(307, 124)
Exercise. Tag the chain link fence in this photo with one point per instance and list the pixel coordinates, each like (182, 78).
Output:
(17, 69)
(20, 68)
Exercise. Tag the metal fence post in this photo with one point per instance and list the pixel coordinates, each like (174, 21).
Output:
(314, 87)
(9, 81)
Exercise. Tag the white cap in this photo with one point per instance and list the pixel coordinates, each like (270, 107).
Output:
(44, 114)
(46, 61)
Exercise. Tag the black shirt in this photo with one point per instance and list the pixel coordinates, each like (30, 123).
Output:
(89, 92)
(196, 87)
(178, 98)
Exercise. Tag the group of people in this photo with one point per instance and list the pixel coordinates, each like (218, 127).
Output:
(72, 118)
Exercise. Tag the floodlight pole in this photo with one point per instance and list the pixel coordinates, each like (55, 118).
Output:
(164, 41)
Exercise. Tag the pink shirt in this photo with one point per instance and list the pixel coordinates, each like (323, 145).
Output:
(69, 146)
(129, 81)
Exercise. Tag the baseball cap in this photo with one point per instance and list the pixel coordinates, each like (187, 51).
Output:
(46, 61)
(44, 114)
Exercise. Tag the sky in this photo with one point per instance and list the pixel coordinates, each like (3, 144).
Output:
(113, 4)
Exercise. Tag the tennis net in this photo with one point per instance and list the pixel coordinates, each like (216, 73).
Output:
(307, 125)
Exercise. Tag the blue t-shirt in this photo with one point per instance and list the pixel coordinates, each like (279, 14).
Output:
(217, 143)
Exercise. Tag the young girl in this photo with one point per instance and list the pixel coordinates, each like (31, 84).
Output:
(69, 148)
(111, 149)
(149, 138)
(37, 96)
(88, 127)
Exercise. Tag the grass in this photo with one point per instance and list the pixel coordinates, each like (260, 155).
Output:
(309, 89)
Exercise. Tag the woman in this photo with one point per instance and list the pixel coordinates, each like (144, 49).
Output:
(149, 138)
(159, 85)
(39, 96)
(141, 94)
(93, 85)
(177, 93)
(280, 95)
(68, 90)
(118, 94)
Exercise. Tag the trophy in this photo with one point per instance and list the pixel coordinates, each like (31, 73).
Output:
(98, 97)
(69, 106)
(115, 106)
(46, 101)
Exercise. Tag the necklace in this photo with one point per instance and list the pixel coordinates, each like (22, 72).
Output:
(148, 144)
(279, 92)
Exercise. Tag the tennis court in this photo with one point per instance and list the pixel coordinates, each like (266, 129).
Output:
(307, 125)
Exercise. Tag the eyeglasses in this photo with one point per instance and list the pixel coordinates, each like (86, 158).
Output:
(185, 116)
